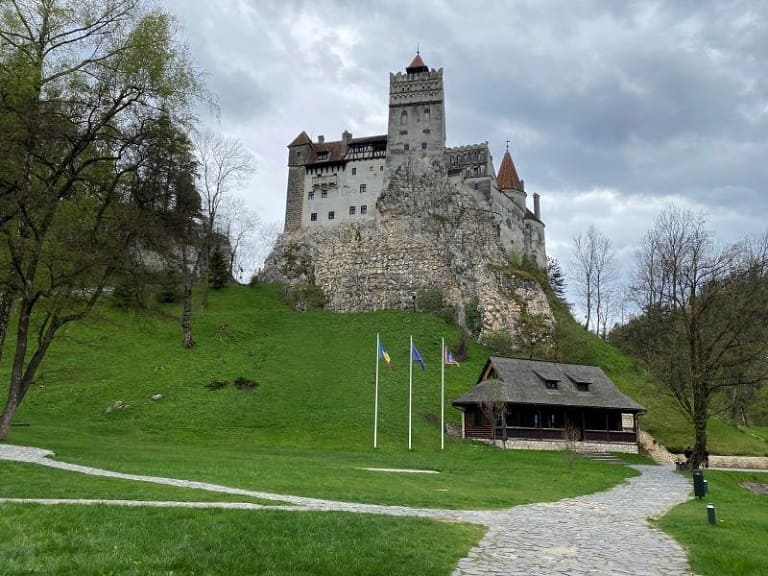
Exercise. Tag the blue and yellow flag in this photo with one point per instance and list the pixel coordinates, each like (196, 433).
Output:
(416, 356)
(384, 356)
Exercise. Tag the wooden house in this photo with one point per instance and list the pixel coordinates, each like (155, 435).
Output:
(544, 405)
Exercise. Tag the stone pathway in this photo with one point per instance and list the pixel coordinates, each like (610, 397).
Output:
(601, 534)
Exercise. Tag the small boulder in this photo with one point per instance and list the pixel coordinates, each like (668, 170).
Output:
(156, 397)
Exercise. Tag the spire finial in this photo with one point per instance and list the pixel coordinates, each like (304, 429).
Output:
(507, 145)
(417, 48)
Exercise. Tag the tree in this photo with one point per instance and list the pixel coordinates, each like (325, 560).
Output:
(704, 328)
(79, 82)
(593, 269)
(224, 164)
(556, 277)
(494, 408)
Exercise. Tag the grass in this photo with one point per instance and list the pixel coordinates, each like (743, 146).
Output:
(25, 480)
(101, 540)
(304, 429)
(736, 545)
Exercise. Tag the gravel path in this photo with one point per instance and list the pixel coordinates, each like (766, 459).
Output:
(601, 534)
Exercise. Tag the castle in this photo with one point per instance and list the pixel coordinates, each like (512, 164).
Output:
(336, 183)
(373, 222)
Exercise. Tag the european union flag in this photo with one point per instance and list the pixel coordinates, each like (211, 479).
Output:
(416, 356)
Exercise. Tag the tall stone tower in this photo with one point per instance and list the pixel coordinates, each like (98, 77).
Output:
(298, 156)
(416, 127)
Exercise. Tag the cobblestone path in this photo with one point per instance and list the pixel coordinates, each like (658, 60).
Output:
(601, 534)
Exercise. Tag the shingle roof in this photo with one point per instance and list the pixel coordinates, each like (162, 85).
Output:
(524, 382)
(507, 178)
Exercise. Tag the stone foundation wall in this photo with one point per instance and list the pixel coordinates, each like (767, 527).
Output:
(583, 447)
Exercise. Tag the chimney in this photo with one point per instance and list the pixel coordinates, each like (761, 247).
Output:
(321, 139)
(537, 205)
(346, 136)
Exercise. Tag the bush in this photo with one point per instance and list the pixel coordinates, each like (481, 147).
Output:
(430, 300)
(169, 290)
(500, 342)
(242, 383)
(473, 317)
(303, 297)
(216, 384)
(220, 273)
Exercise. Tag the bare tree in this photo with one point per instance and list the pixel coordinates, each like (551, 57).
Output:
(224, 165)
(81, 79)
(593, 269)
(241, 226)
(704, 327)
(494, 408)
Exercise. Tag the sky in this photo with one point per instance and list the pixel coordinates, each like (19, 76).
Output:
(613, 110)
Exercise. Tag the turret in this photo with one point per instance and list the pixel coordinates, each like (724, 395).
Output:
(508, 181)
(299, 152)
(416, 114)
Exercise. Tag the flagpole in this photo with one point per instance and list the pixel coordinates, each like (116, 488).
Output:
(376, 397)
(410, 393)
(442, 397)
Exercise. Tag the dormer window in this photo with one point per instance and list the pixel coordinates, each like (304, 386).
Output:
(551, 384)
(582, 386)
(323, 155)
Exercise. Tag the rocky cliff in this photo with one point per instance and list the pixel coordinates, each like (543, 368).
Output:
(428, 233)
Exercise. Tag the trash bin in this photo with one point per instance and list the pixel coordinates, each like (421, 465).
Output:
(699, 484)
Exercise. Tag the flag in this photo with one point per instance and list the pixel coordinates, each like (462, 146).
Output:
(416, 356)
(449, 359)
(384, 356)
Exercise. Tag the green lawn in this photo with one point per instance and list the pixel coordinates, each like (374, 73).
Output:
(100, 540)
(25, 480)
(738, 544)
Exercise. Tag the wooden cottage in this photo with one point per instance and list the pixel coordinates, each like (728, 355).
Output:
(544, 405)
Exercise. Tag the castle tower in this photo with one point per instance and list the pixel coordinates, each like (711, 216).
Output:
(509, 183)
(416, 127)
(299, 152)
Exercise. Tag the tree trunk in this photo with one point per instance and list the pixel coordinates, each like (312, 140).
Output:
(186, 315)
(8, 413)
(5, 316)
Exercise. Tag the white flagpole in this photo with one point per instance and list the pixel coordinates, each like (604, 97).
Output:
(410, 393)
(376, 397)
(442, 398)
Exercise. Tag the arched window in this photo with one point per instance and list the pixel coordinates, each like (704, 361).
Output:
(404, 117)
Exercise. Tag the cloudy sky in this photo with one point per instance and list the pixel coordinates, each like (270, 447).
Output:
(613, 109)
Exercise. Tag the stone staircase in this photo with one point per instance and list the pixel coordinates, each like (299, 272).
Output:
(603, 457)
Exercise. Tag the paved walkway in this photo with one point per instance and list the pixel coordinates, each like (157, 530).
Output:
(600, 534)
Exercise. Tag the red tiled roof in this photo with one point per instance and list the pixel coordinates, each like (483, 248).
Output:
(507, 178)
(416, 65)
(300, 140)
(335, 150)
(531, 216)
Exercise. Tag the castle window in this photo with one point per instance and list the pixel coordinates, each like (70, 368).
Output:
(426, 114)
(403, 132)
(423, 145)
(475, 185)
(323, 155)
(313, 217)
(351, 210)
(324, 194)
(474, 170)
(362, 188)
(370, 168)
(331, 215)
(363, 210)
(311, 195)
(403, 117)
(427, 131)
(381, 168)
(354, 171)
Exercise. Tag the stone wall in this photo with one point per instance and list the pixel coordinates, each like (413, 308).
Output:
(427, 234)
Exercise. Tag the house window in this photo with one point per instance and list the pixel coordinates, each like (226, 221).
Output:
(363, 210)
(362, 188)
(313, 217)
(354, 171)
(351, 210)
(324, 194)
(331, 215)
(311, 195)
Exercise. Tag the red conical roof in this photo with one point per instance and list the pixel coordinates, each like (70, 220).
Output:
(416, 65)
(300, 140)
(507, 178)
